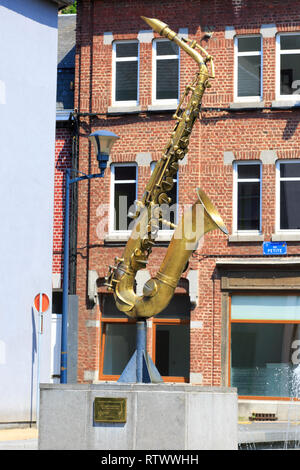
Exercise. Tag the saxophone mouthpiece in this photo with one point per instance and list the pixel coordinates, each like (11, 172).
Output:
(154, 24)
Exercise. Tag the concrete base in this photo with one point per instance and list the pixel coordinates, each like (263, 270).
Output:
(159, 417)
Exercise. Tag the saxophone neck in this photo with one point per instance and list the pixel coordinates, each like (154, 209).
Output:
(188, 46)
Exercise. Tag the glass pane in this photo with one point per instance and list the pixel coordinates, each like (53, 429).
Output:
(265, 307)
(263, 358)
(166, 79)
(126, 81)
(289, 74)
(248, 171)
(248, 206)
(125, 172)
(249, 76)
(173, 350)
(290, 42)
(289, 205)
(124, 198)
(179, 307)
(120, 344)
(290, 170)
(166, 48)
(249, 44)
(127, 49)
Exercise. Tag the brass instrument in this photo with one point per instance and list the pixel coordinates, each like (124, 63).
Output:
(159, 290)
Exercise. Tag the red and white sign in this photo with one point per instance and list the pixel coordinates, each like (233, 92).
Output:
(44, 300)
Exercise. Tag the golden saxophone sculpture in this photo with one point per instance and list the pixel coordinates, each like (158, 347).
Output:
(158, 291)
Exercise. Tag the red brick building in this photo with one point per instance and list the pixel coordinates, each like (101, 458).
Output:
(234, 319)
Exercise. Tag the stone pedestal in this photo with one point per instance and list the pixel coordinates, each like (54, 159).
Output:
(159, 417)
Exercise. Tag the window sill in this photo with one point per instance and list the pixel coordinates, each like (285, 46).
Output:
(123, 237)
(285, 104)
(242, 238)
(162, 107)
(286, 237)
(115, 110)
(246, 106)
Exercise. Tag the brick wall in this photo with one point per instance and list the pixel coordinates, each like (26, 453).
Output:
(63, 149)
(245, 133)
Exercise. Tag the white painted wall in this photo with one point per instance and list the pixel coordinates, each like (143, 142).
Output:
(28, 55)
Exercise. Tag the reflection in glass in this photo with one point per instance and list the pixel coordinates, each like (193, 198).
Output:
(173, 350)
(289, 74)
(120, 344)
(248, 206)
(126, 81)
(289, 205)
(167, 79)
(249, 69)
(263, 358)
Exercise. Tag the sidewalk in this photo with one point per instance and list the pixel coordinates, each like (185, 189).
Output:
(19, 439)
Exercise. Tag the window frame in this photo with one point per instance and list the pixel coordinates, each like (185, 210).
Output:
(293, 97)
(154, 73)
(116, 59)
(239, 99)
(230, 321)
(104, 321)
(112, 230)
(277, 195)
(235, 197)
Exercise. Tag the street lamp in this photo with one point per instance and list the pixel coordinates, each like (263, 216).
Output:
(103, 141)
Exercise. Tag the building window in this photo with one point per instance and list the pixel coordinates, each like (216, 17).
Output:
(265, 340)
(169, 212)
(288, 195)
(247, 196)
(165, 84)
(123, 195)
(171, 340)
(118, 339)
(248, 68)
(126, 73)
(288, 65)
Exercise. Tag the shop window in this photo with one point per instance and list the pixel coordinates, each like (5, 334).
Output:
(288, 195)
(169, 212)
(118, 339)
(265, 340)
(288, 65)
(171, 340)
(123, 195)
(125, 73)
(165, 81)
(247, 196)
(248, 68)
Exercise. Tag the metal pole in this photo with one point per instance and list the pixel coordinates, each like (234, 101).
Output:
(141, 332)
(64, 324)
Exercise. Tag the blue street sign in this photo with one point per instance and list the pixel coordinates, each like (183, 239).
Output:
(274, 248)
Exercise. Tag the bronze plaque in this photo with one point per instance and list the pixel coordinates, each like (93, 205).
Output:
(110, 410)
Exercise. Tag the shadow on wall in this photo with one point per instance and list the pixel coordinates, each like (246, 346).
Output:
(33, 356)
(34, 10)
